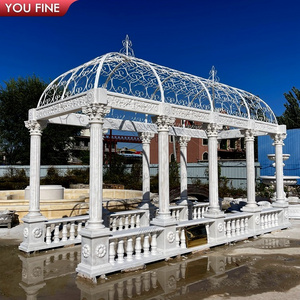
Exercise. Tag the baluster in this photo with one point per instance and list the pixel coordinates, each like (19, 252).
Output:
(129, 249)
(138, 221)
(126, 222)
(112, 252)
(238, 227)
(177, 215)
(177, 238)
(132, 221)
(194, 213)
(72, 232)
(154, 244)
(120, 223)
(182, 239)
(64, 233)
(276, 219)
(48, 235)
(146, 246)
(270, 220)
(233, 227)
(56, 233)
(120, 251)
(78, 230)
(202, 209)
(243, 226)
(246, 225)
(228, 228)
(138, 247)
(262, 222)
(129, 288)
(114, 224)
(273, 220)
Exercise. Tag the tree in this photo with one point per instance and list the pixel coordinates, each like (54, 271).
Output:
(291, 115)
(16, 98)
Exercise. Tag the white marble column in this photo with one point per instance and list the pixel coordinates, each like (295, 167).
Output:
(278, 143)
(35, 129)
(146, 139)
(183, 142)
(96, 113)
(214, 207)
(251, 201)
(163, 126)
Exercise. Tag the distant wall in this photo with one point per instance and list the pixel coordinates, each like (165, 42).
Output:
(234, 170)
(291, 146)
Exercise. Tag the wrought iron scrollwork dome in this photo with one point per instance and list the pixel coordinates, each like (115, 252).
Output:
(128, 75)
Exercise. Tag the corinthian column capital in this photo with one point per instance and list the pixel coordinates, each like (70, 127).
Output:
(146, 137)
(211, 130)
(35, 127)
(278, 138)
(96, 112)
(249, 135)
(164, 123)
(183, 141)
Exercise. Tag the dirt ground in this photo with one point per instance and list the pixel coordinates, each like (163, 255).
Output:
(267, 267)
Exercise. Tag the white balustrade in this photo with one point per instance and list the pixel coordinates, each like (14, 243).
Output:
(64, 231)
(269, 219)
(127, 220)
(176, 211)
(236, 225)
(199, 210)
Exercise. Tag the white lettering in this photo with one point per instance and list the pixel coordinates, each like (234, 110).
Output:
(45, 8)
(8, 7)
(17, 7)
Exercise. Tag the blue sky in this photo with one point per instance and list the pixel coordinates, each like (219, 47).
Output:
(254, 44)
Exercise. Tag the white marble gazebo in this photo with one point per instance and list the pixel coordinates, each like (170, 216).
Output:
(94, 93)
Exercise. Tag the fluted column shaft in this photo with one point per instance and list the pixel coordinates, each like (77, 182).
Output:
(163, 126)
(278, 143)
(96, 113)
(146, 139)
(212, 134)
(183, 141)
(249, 140)
(35, 129)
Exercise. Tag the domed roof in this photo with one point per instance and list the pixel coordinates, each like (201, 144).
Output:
(134, 77)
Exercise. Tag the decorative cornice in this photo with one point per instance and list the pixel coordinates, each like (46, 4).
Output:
(96, 112)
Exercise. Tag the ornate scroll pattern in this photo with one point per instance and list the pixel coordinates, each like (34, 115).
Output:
(96, 112)
(136, 78)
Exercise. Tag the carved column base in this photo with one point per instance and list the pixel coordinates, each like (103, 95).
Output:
(94, 253)
(33, 233)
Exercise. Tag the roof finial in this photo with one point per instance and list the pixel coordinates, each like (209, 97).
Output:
(127, 44)
(213, 75)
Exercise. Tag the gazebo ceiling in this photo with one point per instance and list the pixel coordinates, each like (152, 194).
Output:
(127, 75)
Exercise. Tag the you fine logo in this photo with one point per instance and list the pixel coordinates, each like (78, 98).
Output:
(34, 8)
